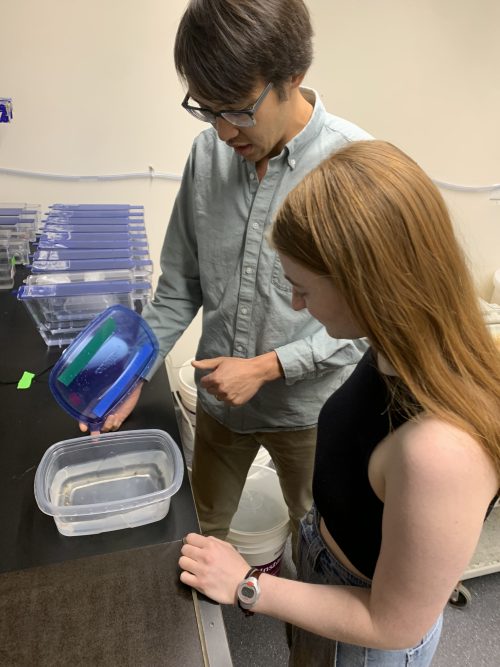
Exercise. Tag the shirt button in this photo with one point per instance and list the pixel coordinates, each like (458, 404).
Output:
(252, 176)
(248, 270)
(244, 310)
(239, 348)
(292, 163)
(255, 225)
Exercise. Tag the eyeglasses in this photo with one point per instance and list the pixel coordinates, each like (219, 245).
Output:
(242, 118)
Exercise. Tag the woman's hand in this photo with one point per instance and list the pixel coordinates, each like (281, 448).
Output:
(212, 566)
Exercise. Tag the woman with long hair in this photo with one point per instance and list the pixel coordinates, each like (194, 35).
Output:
(408, 452)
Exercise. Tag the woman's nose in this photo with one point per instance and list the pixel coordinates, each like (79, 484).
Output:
(298, 302)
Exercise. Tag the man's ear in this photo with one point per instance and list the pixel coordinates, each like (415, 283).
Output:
(297, 79)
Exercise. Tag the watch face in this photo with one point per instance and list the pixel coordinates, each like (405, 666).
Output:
(248, 592)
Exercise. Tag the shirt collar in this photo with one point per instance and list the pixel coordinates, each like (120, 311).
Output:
(316, 122)
(310, 131)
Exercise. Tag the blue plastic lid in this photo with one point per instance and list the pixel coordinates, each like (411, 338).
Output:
(103, 364)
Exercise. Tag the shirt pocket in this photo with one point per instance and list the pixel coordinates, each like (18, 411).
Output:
(278, 277)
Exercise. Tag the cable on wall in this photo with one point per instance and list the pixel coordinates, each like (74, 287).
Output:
(152, 175)
(467, 188)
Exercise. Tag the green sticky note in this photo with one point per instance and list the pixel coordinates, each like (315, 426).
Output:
(26, 380)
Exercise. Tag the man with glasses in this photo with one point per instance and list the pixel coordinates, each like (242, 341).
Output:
(263, 370)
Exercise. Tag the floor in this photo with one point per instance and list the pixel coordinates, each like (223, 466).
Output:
(470, 637)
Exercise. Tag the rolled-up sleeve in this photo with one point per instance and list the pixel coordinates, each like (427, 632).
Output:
(317, 355)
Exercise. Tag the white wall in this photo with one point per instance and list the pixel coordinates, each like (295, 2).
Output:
(423, 74)
(95, 92)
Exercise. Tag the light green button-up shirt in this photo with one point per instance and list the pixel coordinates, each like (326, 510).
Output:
(215, 255)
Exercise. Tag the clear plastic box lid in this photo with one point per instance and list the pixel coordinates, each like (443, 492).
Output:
(96, 207)
(65, 265)
(99, 236)
(103, 364)
(79, 289)
(23, 220)
(81, 228)
(16, 208)
(84, 219)
(91, 241)
(84, 253)
(85, 276)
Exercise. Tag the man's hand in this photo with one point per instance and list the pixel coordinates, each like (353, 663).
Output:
(116, 419)
(234, 380)
(212, 566)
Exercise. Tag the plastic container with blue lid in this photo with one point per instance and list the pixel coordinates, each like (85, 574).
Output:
(103, 364)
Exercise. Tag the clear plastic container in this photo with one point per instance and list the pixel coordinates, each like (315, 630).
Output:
(69, 301)
(109, 481)
(7, 268)
(60, 337)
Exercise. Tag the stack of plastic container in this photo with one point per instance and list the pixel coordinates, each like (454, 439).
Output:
(18, 227)
(89, 257)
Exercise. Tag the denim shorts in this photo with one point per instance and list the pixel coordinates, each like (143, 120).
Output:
(317, 565)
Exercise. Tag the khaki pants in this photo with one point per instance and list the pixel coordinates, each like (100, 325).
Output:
(221, 462)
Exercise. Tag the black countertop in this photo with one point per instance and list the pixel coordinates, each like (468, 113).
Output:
(30, 422)
(38, 562)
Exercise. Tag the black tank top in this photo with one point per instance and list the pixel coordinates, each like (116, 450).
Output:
(351, 424)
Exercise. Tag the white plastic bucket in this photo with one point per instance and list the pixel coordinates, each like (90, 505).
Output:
(187, 386)
(260, 527)
(262, 458)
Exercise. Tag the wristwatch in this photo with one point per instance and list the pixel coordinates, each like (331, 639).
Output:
(249, 591)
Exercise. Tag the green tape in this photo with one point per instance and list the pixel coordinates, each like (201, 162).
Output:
(100, 337)
(26, 380)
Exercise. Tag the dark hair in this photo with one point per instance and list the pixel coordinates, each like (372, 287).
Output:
(223, 47)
